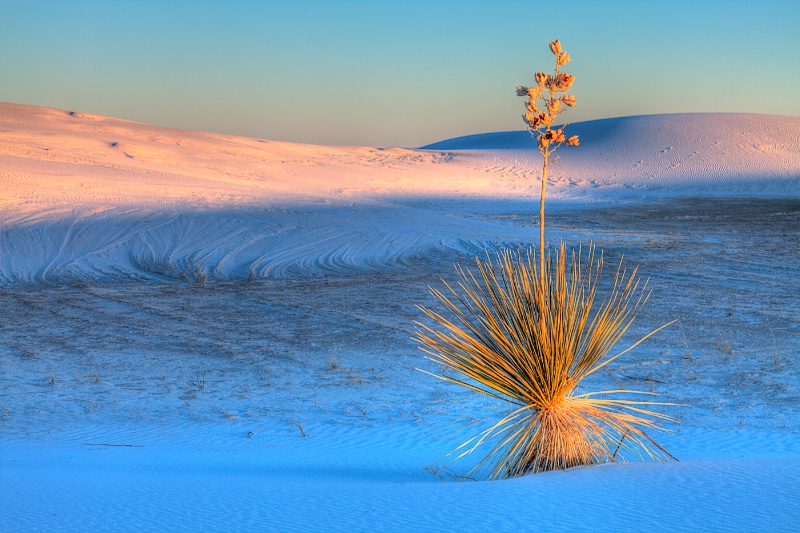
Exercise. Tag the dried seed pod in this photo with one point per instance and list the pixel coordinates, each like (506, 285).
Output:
(555, 47)
(573, 141)
(564, 81)
(569, 100)
(532, 120)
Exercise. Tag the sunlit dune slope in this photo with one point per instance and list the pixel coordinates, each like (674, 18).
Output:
(53, 157)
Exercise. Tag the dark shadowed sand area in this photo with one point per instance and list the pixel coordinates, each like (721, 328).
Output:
(332, 347)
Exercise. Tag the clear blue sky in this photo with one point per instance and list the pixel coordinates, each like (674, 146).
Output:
(393, 73)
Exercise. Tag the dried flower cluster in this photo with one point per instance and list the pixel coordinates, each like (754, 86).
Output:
(549, 91)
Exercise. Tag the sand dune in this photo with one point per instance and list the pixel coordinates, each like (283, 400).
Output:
(208, 332)
(89, 197)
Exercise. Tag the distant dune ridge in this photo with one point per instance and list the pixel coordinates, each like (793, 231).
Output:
(660, 150)
(90, 197)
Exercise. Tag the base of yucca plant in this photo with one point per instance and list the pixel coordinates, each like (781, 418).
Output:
(529, 338)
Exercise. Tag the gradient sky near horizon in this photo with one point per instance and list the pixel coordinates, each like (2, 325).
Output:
(392, 73)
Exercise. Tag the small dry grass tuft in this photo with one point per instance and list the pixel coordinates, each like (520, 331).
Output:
(529, 340)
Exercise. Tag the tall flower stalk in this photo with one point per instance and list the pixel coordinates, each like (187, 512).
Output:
(546, 100)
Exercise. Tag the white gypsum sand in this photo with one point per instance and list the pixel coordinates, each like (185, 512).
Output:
(179, 308)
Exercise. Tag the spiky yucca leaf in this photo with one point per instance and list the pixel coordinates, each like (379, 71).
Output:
(529, 340)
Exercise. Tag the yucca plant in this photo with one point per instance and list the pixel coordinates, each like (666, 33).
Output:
(527, 330)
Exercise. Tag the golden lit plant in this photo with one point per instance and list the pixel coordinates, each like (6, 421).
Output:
(528, 331)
